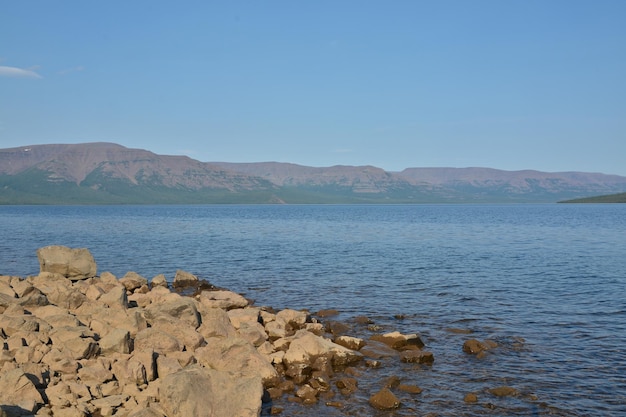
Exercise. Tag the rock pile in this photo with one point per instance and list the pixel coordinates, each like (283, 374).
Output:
(77, 344)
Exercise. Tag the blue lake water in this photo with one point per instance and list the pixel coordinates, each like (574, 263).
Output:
(547, 282)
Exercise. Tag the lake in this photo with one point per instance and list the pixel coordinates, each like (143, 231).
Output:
(546, 282)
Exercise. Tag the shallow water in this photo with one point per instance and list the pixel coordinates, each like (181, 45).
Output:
(547, 282)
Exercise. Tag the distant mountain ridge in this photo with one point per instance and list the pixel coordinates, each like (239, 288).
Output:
(109, 173)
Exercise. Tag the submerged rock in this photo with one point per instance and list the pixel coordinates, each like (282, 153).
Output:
(384, 400)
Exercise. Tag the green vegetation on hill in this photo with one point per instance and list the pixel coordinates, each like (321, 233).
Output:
(611, 198)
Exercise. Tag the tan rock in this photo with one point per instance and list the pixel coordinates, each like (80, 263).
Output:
(222, 299)
(184, 278)
(215, 323)
(235, 355)
(59, 395)
(167, 365)
(116, 341)
(243, 315)
(253, 333)
(353, 343)
(5, 288)
(157, 340)
(188, 338)
(306, 346)
(60, 362)
(184, 358)
(132, 280)
(17, 389)
(147, 357)
(159, 281)
(115, 298)
(276, 329)
(14, 324)
(147, 412)
(93, 372)
(129, 370)
(76, 341)
(292, 316)
(108, 278)
(72, 411)
(179, 308)
(397, 340)
(199, 392)
(74, 264)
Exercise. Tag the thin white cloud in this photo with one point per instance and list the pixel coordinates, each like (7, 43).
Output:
(17, 72)
(70, 70)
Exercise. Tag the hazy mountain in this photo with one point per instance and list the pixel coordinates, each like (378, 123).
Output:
(100, 173)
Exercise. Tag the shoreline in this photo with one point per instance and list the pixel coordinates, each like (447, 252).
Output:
(82, 344)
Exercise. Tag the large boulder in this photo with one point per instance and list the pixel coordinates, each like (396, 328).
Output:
(18, 390)
(198, 392)
(235, 354)
(75, 264)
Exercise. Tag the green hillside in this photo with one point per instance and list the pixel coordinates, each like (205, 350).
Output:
(611, 198)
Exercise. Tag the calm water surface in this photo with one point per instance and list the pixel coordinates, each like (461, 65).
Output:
(547, 282)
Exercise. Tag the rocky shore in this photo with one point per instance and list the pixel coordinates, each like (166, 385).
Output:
(75, 343)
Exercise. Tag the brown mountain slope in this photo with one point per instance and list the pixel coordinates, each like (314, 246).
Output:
(76, 162)
(361, 179)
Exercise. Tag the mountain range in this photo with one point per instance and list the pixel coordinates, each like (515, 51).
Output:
(108, 173)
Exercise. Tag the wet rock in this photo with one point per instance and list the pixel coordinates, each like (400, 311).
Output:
(504, 391)
(470, 398)
(410, 389)
(337, 328)
(353, 343)
(391, 382)
(299, 372)
(397, 340)
(476, 347)
(327, 313)
(363, 320)
(384, 400)
(456, 330)
(378, 350)
(417, 356)
(75, 264)
(307, 393)
(347, 385)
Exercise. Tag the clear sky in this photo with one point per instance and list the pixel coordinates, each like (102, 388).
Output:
(507, 84)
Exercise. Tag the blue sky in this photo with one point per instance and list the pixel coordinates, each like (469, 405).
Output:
(507, 84)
